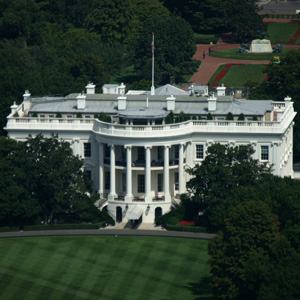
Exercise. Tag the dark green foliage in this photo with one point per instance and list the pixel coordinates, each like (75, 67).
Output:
(170, 118)
(182, 117)
(255, 118)
(229, 116)
(18, 206)
(174, 47)
(62, 226)
(223, 170)
(173, 217)
(209, 116)
(185, 228)
(79, 115)
(250, 228)
(142, 84)
(104, 117)
(241, 117)
(58, 115)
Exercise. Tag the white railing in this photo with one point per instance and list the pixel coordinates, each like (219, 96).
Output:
(177, 129)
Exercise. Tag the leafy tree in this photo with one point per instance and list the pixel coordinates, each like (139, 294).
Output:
(241, 117)
(170, 118)
(142, 84)
(223, 170)
(229, 116)
(249, 228)
(18, 206)
(209, 116)
(174, 47)
(57, 178)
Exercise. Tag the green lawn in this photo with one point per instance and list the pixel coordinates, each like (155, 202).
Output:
(233, 54)
(238, 75)
(105, 267)
(282, 32)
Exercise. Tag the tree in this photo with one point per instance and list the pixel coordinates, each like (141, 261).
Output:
(57, 177)
(249, 228)
(223, 170)
(18, 206)
(229, 116)
(173, 47)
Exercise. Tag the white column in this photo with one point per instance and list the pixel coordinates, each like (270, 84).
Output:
(112, 193)
(180, 170)
(148, 197)
(101, 170)
(129, 196)
(166, 174)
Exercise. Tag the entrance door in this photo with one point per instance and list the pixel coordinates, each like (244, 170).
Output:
(119, 216)
(158, 212)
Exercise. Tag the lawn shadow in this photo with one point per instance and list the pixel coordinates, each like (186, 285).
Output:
(201, 289)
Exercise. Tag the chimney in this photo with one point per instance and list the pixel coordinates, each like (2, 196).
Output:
(26, 95)
(287, 101)
(14, 108)
(81, 101)
(171, 103)
(26, 102)
(221, 90)
(90, 88)
(121, 89)
(212, 103)
(122, 103)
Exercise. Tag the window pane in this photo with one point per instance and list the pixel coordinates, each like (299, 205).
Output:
(160, 182)
(264, 153)
(87, 149)
(199, 152)
(176, 179)
(141, 183)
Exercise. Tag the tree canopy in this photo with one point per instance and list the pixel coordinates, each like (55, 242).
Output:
(223, 170)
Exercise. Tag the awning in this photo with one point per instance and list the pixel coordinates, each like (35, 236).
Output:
(136, 213)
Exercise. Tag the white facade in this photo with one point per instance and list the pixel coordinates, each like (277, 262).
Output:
(138, 162)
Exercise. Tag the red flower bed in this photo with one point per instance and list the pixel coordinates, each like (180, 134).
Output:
(214, 84)
(228, 65)
(297, 33)
(292, 40)
(187, 223)
(221, 74)
(267, 78)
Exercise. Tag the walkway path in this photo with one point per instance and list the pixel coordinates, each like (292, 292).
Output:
(210, 64)
(109, 231)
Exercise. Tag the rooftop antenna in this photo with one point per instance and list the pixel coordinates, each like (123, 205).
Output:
(152, 49)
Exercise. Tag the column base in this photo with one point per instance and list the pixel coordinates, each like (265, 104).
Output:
(112, 197)
(167, 198)
(128, 198)
(148, 198)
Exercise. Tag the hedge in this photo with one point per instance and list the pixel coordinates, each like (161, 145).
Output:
(185, 228)
(7, 228)
(63, 226)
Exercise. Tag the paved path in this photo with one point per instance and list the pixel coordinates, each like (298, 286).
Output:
(210, 64)
(109, 231)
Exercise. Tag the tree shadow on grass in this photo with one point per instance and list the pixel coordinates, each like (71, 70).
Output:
(201, 289)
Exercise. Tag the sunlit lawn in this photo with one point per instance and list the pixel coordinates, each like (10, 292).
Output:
(105, 267)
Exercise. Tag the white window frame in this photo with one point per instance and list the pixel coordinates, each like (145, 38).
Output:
(87, 149)
(196, 152)
(263, 156)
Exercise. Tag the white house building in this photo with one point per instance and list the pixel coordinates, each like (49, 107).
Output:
(137, 161)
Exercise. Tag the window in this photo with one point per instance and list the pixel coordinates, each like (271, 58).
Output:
(69, 116)
(87, 117)
(107, 151)
(176, 149)
(199, 152)
(160, 182)
(141, 153)
(176, 180)
(51, 116)
(124, 182)
(141, 183)
(107, 180)
(160, 154)
(87, 150)
(264, 153)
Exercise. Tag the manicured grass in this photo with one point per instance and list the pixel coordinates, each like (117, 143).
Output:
(282, 32)
(233, 54)
(105, 267)
(238, 75)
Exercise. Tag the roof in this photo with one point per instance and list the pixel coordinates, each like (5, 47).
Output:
(157, 105)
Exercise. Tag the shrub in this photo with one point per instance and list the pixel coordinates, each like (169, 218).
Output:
(58, 115)
(229, 116)
(172, 217)
(63, 226)
(209, 116)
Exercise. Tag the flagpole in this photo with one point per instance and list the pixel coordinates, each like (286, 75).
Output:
(152, 49)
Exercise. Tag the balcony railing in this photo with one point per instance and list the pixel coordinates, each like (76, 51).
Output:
(135, 131)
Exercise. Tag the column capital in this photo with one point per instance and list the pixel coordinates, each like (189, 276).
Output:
(167, 146)
(75, 141)
(148, 147)
(111, 146)
(127, 146)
